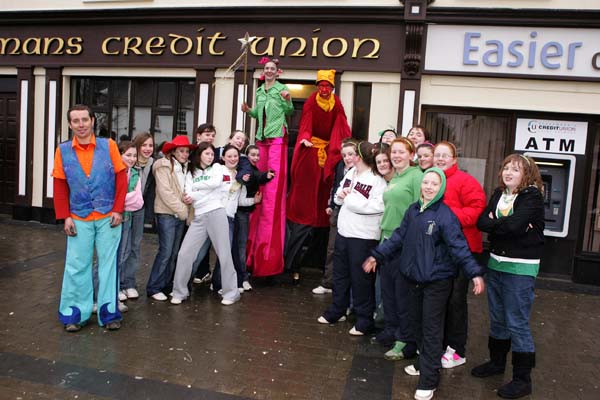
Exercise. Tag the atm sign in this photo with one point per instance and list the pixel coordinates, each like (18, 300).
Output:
(549, 136)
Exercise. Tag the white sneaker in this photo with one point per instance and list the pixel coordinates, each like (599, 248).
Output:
(95, 309)
(160, 296)
(123, 307)
(122, 295)
(450, 359)
(321, 290)
(424, 394)
(411, 370)
(132, 293)
(227, 302)
(197, 280)
(355, 332)
(220, 291)
(241, 290)
(322, 320)
(246, 285)
(175, 300)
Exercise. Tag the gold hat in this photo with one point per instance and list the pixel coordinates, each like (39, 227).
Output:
(326, 75)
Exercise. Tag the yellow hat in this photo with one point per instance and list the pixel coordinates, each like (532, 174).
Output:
(326, 75)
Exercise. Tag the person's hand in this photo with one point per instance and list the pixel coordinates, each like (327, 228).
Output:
(271, 174)
(286, 95)
(328, 211)
(246, 177)
(69, 228)
(245, 107)
(115, 219)
(344, 193)
(478, 285)
(257, 197)
(369, 265)
(306, 143)
(187, 199)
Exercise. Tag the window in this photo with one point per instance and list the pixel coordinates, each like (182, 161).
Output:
(125, 107)
(481, 139)
(361, 110)
(591, 234)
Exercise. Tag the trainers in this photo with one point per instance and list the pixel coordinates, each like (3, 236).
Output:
(122, 295)
(227, 302)
(132, 293)
(72, 327)
(321, 290)
(355, 332)
(411, 370)
(450, 359)
(395, 353)
(247, 286)
(123, 307)
(160, 296)
(113, 326)
(206, 278)
(197, 280)
(95, 308)
(175, 300)
(322, 320)
(424, 394)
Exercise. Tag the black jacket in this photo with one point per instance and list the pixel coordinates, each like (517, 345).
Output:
(257, 178)
(512, 236)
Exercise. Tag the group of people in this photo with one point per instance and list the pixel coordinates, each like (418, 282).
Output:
(405, 223)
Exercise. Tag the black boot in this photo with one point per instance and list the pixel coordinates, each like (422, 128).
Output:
(521, 383)
(499, 348)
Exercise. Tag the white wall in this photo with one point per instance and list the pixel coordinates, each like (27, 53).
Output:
(515, 94)
(9, 5)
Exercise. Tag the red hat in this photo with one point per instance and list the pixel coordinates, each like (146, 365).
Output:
(178, 141)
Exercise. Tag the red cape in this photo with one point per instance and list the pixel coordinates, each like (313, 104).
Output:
(310, 183)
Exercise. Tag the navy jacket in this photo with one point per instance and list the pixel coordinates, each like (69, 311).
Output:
(428, 246)
(257, 178)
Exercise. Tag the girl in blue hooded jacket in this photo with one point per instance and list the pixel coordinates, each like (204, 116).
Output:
(428, 247)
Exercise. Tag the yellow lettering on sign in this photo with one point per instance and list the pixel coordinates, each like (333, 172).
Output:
(37, 46)
(301, 46)
(132, 44)
(187, 43)
(155, 42)
(4, 43)
(268, 50)
(211, 45)
(75, 46)
(359, 42)
(105, 44)
(60, 45)
(343, 49)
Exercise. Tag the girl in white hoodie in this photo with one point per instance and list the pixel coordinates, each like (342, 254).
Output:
(361, 196)
(204, 187)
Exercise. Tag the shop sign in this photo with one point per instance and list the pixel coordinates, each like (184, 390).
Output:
(549, 136)
(559, 52)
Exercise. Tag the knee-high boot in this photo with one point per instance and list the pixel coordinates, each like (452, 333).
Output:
(521, 383)
(499, 348)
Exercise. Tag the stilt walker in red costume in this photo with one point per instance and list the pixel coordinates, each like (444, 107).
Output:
(322, 128)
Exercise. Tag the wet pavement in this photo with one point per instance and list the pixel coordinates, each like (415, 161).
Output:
(267, 346)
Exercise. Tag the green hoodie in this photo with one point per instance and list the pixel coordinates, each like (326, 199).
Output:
(439, 194)
(403, 190)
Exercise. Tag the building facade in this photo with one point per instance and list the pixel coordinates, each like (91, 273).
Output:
(492, 77)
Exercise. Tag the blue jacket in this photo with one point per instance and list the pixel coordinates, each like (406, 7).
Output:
(428, 246)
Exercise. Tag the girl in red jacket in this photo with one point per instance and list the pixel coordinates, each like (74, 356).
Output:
(465, 197)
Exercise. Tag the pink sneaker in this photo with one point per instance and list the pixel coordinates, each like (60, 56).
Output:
(450, 359)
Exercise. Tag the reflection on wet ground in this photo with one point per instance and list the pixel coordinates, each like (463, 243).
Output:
(267, 346)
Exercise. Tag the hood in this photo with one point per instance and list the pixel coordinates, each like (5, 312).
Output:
(440, 194)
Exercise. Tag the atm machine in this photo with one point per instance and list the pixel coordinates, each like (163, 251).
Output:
(558, 172)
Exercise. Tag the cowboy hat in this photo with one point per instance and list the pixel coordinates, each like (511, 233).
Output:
(178, 141)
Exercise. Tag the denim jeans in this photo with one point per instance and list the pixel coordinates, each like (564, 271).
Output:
(242, 220)
(170, 233)
(123, 252)
(129, 262)
(510, 298)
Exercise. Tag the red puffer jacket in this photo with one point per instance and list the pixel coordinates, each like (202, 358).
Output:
(465, 197)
